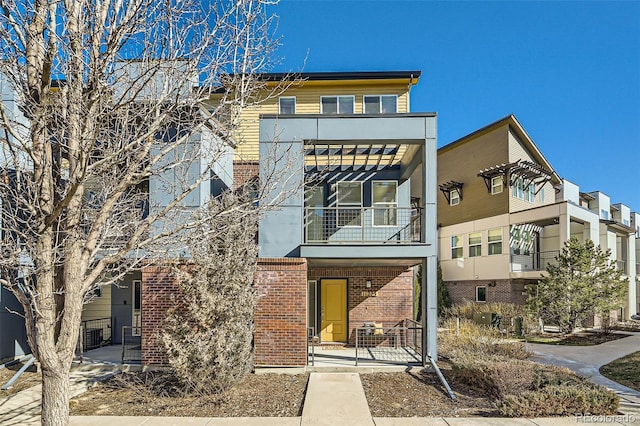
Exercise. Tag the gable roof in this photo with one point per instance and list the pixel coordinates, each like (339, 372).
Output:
(519, 131)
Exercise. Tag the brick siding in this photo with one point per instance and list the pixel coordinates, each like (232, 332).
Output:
(394, 300)
(159, 291)
(280, 335)
(504, 291)
(243, 172)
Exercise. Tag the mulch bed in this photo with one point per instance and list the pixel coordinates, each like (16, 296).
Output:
(583, 338)
(420, 393)
(155, 394)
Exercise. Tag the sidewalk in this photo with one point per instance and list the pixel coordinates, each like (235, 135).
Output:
(587, 360)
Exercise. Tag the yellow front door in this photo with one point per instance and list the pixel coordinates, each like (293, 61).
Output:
(333, 297)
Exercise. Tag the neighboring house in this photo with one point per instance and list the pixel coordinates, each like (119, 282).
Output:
(504, 214)
(13, 337)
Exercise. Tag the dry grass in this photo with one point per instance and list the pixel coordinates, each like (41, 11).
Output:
(625, 370)
(28, 379)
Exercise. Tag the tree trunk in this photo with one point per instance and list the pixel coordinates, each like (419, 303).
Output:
(55, 396)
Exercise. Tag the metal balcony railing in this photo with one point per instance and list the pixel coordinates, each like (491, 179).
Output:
(382, 225)
(535, 261)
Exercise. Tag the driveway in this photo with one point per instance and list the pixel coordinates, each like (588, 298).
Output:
(587, 360)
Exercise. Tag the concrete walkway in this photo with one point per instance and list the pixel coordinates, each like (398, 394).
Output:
(587, 360)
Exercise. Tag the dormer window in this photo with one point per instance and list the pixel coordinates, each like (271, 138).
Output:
(380, 104)
(337, 104)
(287, 105)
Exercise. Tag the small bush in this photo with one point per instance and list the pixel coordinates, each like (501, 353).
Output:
(560, 400)
(498, 378)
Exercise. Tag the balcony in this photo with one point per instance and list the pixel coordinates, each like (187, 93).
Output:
(536, 261)
(363, 225)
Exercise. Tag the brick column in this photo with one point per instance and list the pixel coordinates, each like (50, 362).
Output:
(159, 291)
(280, 335)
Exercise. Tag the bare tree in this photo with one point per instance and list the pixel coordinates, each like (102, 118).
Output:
(112, 100)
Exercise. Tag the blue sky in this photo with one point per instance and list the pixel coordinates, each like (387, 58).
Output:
(569, 71)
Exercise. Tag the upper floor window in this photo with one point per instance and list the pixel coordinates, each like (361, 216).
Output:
(519, 191)
(541, 195)
(530, 195)
(625, 222)
(604, 214)
(475, 244)
(287, 105)
(337, 104)
(349, 203)
(456, 246)
(496, 185)
(380, 104)
(495, 241)
(454, 197)
(385, 203)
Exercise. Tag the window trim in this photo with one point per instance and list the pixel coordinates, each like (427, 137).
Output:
(493, 187)
(484, 287)
(451, 198)
(287, 97)
(460, 239)
(479, 244)
(491, 243)
(353, 102)
(354, 206)
(380, 96)
(375, 205)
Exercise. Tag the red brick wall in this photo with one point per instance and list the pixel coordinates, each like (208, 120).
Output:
(243, 171)
(159, 291)
(280, 335)
(394, 300)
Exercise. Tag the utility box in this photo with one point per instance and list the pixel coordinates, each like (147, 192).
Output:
(518, 326)
(486, 318)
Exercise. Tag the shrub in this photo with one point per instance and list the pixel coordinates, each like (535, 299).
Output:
(498, 378)
(560, 400)
(473, 341)
(507, 311)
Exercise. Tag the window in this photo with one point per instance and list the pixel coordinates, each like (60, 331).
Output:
(349, 203)
(495, 241)
(496, 185)
(517, 190)
(625, 222)
(456, 247)
(454, 197)
(475, 244)
(530, 196)
(385, 203)
(383, 104)
(481, 294)
(541, 195)
(287, 105)
(527, 194)
(337, 104)
(604, 214)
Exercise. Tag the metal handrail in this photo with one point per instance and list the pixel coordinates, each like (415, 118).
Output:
(311, 335)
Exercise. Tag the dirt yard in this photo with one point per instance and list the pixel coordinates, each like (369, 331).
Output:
(28, 379)
(276, 395)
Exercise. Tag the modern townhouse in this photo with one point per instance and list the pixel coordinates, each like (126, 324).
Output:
(338, 251)
(504, 214)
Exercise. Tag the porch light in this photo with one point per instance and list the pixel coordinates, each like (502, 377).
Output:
(368, 283)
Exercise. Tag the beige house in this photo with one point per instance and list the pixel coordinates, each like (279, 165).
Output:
(504, 214)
